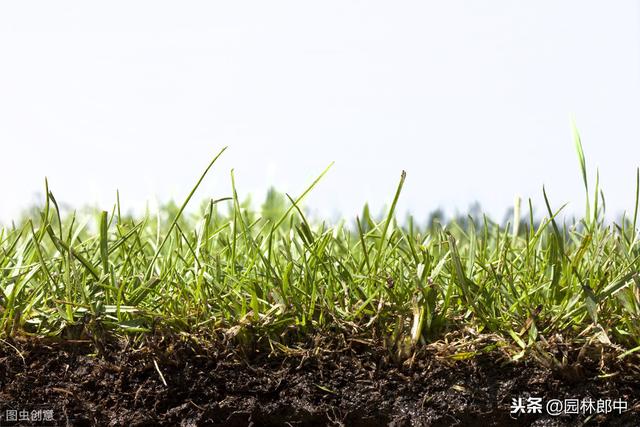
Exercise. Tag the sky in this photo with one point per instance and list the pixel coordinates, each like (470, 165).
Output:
(473, 99)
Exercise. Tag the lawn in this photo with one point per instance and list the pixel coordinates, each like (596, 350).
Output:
(228, 314)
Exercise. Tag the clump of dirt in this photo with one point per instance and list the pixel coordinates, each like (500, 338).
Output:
(351, 383)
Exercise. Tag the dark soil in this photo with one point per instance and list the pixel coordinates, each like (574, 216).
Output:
(351, 384)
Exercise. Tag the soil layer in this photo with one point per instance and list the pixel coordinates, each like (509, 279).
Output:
(353, 383)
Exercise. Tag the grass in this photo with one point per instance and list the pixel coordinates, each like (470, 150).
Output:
(273, 276)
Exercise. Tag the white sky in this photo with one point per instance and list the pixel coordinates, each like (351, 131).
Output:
(473, 101)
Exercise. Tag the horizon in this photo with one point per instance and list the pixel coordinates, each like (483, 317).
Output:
(473, 101)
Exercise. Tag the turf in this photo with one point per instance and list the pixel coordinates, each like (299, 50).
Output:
(461, 309)
(270, 276)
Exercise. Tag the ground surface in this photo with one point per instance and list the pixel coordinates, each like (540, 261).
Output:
(346, 383)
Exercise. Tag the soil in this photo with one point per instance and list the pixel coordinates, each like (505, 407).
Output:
(341, 382)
